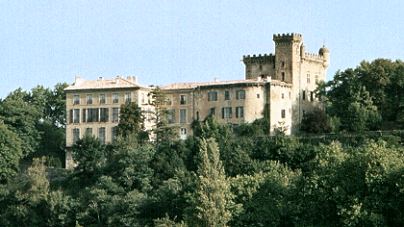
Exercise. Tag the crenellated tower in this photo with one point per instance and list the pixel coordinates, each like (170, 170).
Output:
(287, 56)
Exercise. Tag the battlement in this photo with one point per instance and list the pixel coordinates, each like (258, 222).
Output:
(313, 56)
(266, 58)
(287, 37)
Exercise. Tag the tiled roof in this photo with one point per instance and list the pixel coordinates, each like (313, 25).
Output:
(192, 85)
(101, 83)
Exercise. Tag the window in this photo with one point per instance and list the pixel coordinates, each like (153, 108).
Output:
(226, 95)
(104, 114)
(183, 116)
(114, 133)
(115, 114)
(92, 115)
(76, 135)
(183, 133)
(240, 94)
(115, 98)
(283, 113)
(212, 96)
(183, 99)
(128, 97)
(239, 112)
(308, 78)
(212, 111)
(226, 112)
(102, 98)
(304, 95)
(89, 99)
(76, 99)
(89, 131)
(258, 96)
(76, 116)
(101, 135)
(311, 96)
(283, 96)
(283, 76)
(197, 115)
(283, 64)
(171, 116)
(84, 115)
(143, 99)
(260, 67)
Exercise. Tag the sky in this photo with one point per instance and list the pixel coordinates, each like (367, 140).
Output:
(161, 42)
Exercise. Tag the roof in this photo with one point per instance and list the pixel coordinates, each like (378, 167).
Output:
(101, 83)
(193, 85)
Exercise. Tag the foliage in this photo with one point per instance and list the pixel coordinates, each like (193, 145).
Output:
(316, 122)
(131, 121)
(10, 153)
(211, 200)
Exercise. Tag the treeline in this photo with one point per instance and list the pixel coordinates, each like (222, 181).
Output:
(223, 175)
(369, 97)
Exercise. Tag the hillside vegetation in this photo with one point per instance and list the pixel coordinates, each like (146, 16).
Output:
(345, 169)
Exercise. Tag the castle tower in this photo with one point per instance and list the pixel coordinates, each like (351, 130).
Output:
(287, 56)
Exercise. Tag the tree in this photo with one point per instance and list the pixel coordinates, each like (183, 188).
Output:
(131, 122)
(212, 197)
(10, 153)
(315, 122)
(162, 130)
(91, 157)
(21, 117)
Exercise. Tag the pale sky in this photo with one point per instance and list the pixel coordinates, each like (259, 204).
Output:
(160, 42)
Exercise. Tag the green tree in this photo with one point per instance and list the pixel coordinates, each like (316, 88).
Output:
(91, 157)
(131, 121)
(212, 198)
(10, 153)
(162, 130)
(21, 117)
(315, 122)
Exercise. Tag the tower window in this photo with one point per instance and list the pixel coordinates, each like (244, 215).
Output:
(283, 76)
(283, 64)
(283, 96)
(311, 96)
(308, 78)
(283, 113)
(304, 95)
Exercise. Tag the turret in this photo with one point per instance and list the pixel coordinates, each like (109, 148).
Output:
(325, 54)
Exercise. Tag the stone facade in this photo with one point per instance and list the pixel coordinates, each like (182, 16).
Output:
(277, 86)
